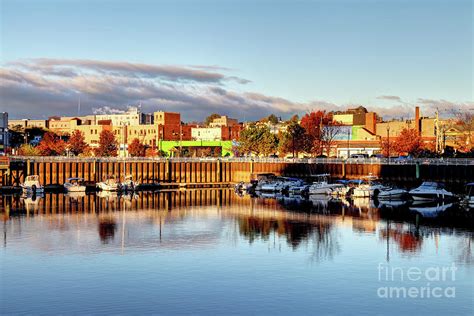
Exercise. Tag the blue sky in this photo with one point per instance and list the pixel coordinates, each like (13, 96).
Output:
(297, 55)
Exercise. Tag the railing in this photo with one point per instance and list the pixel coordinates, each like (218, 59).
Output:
(384, 161)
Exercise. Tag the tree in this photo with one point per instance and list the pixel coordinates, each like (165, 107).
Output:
(28, 150)
(108, 145)
(272, 119)
(211, 118)
(465, 124)
(408, 142)
(51, 145)
(295, 139)
(257, 140)
(136, 148)
(77, 144)
(328, 136)
(321, 129)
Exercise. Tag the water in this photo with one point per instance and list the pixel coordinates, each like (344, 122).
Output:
(213, 252)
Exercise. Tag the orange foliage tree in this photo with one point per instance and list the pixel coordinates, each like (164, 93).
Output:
(408, 142)
(108, 145)
(77, 144)
(51, 145)
(321, 130)
(136, 148)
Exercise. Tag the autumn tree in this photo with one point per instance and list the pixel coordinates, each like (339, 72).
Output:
(108, 145)
(257, 140)
(136, 148)
(322, 131)
(465, 124)
(272, 119)
(295, 140)
(408, 142)
(28, 150)
(51, 145)
(211, 118)
(77, 144)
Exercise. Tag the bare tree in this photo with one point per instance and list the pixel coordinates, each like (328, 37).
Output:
(328, 136)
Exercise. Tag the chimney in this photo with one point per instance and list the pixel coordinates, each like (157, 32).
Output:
(417, 119)
(371, 122)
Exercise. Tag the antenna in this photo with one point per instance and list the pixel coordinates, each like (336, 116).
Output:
(79, 107)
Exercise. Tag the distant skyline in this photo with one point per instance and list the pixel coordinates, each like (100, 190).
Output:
(245, 59)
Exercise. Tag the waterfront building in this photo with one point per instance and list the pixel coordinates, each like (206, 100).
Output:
(206, 133)
(131, 117)
(27, 123)
(223, 121)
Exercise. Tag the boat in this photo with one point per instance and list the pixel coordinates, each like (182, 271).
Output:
(110, 184)
(392, 194)
(75, 185)
(469, 198)
(128, 184)
(264, 179)
(300, 188)
(322, 185)
(431, 191)
(32, 185)
(368, 188)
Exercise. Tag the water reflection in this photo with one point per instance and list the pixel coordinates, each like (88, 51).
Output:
(200, 217)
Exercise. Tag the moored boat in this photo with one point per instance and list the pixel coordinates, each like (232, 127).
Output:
(128, 184)
(469, 197)
(392, 194)
(322, 186)
(32, 185)
(431, 191)
(75, 185)
(110, 184)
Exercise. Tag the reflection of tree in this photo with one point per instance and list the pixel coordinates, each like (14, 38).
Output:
(407, 241)
(464, 249)
(295, 231)
(107, 228)
(325, 242)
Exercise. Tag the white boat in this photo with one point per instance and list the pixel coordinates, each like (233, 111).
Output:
(469, 198)
(264, 179)
(32, 185)
(274, 186)
(298, 188)
(128, 184)
(322, 185)
(431, 191)
(368, 188)
(110, 184)
(392, 194)
(75, 185)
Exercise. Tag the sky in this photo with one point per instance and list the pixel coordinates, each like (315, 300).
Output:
(246, 59)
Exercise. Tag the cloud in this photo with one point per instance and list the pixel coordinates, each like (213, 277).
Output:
(48, 66)
(38, 88)
(390, 98)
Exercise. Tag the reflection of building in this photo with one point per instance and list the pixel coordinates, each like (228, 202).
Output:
(3, 131)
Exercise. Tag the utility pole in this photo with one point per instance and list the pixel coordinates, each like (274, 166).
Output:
(388, 142)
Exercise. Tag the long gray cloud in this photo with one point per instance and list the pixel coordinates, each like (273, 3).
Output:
(38, 88)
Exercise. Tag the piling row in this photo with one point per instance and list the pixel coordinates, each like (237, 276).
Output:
(221, 172)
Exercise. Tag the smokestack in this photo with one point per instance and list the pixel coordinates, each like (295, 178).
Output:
(417, 119)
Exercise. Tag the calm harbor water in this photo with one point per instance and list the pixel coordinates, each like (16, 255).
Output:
(212, 252)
